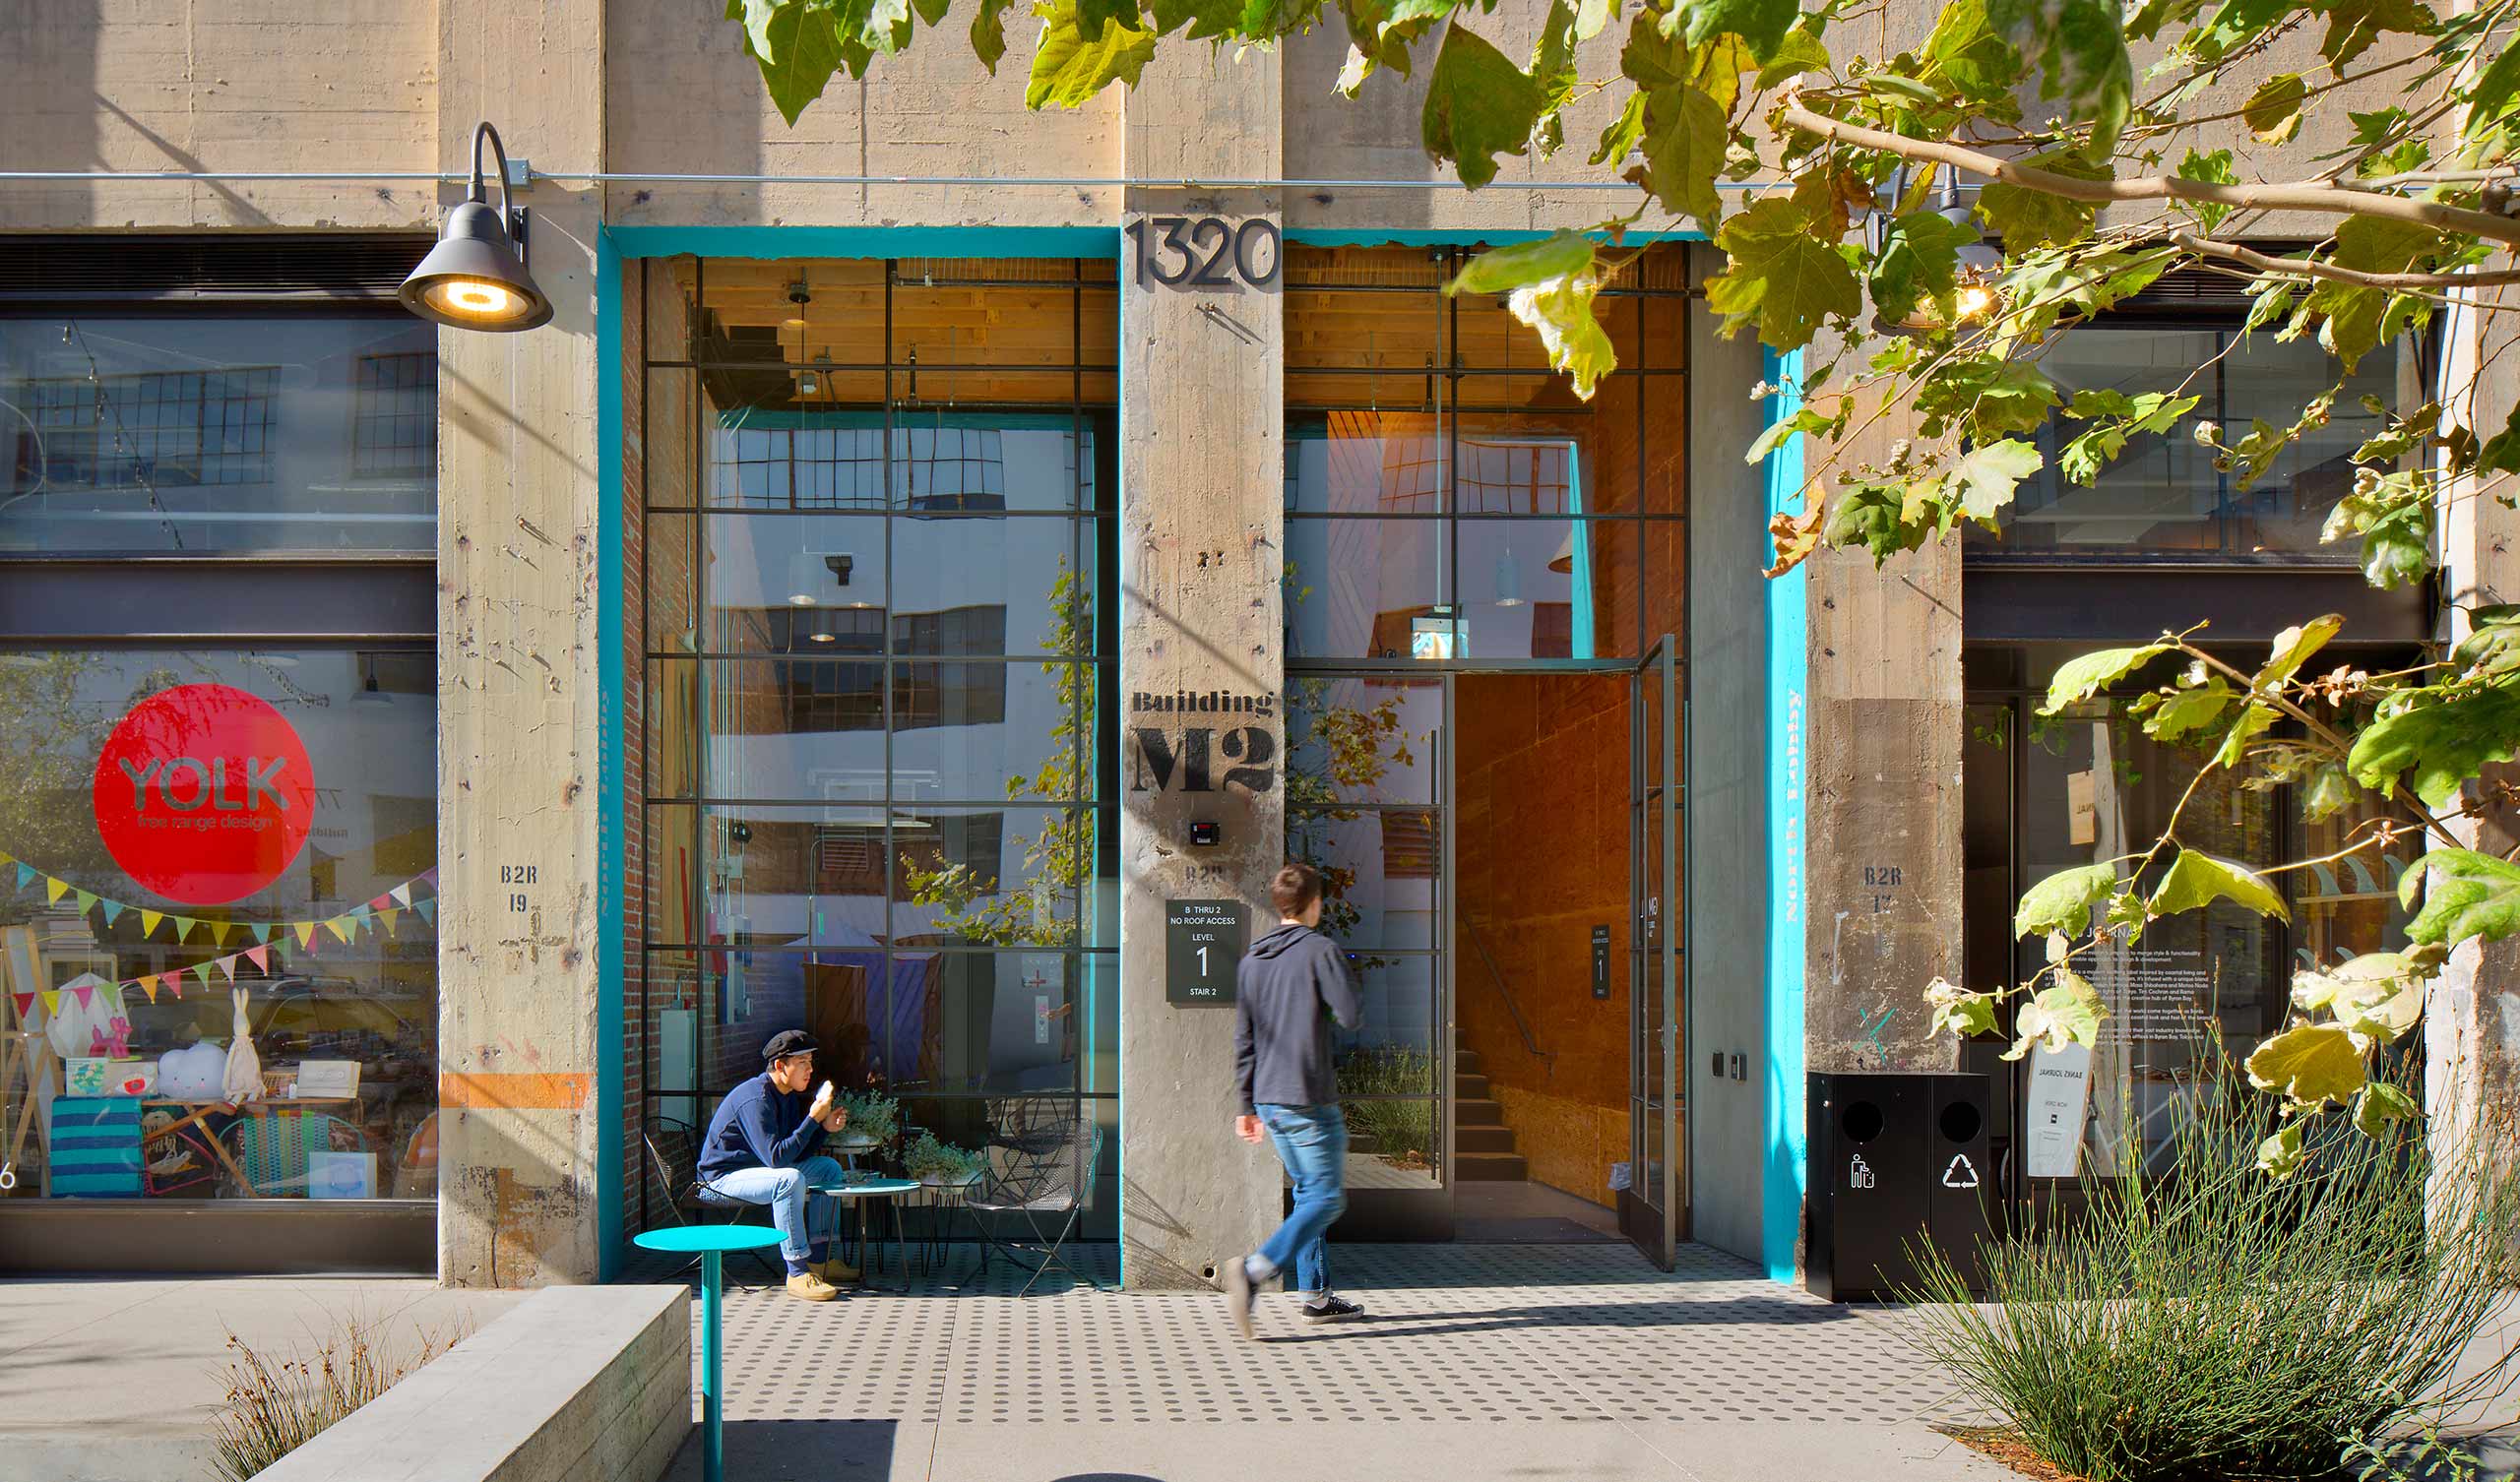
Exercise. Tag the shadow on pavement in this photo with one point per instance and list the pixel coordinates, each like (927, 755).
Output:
(798, 1450)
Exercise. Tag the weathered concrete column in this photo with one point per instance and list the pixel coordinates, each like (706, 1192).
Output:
(1201, 409)
(2471, 1012)
(520, 714)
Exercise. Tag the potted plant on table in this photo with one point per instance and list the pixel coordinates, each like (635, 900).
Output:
(874, 1121)
(939, 1164)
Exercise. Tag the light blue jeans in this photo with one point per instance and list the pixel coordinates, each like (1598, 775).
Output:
(783, 1189)
(1312, 1142)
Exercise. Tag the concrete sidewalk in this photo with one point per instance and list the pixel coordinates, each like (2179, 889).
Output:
(1476, 1362)
(112, 1381)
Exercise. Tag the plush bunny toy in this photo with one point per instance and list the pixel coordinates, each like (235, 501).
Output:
(244, 1081)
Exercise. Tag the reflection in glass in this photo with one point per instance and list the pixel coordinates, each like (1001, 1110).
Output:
(1388, 1070)
(1354, 587)
(213, 434)
(811, 585)
(1357, 740)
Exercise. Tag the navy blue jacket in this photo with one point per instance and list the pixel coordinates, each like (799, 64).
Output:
(1288, 990)
(759, 1126)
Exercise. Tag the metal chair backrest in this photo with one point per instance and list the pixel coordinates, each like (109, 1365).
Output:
(674, 1160)
(1042, 1152)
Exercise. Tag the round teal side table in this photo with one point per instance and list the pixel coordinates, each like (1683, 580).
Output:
(857, 1189)
(711, 1243)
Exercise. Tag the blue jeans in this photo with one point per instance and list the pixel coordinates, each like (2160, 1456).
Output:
(1312, 1142)
(783, 1189)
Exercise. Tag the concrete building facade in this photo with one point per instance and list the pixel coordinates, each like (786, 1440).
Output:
(934, 564)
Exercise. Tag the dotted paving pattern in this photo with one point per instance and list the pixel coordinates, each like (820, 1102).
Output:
(1453, 1332)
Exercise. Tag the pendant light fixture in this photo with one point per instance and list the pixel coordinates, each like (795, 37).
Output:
(475, 277)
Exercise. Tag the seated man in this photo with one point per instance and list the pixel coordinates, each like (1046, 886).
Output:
(760, 1148)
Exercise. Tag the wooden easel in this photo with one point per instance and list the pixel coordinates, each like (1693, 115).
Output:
(24, 1053)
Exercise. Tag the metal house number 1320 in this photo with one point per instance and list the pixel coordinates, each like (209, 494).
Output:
(1205, 252)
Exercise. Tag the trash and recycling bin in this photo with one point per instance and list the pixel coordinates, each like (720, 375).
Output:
(1896, 1158)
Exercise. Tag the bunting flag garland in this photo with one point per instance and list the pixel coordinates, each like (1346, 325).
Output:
(25, 1005)
(148, 985)
(51, 1002)
(87, 994)
(260, 956)
(386, 907)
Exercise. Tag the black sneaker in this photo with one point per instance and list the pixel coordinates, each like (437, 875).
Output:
(1332, 1309)
(1237, 1295)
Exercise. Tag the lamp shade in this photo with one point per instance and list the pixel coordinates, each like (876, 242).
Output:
(473, 278)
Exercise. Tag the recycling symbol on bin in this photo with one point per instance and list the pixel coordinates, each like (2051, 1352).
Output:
(1962, 1174)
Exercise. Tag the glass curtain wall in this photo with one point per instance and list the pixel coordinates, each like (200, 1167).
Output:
(880, 511)
(2050, 793)
(1451, 503)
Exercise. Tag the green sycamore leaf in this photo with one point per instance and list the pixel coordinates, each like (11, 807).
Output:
(2213, 167)
(1069, 67)
(1762, 23)
(2280, 1156)
(2080, 47)
(1550, 285)
(2312, 1065)
(1874, 516)
(2378, 995)
(2382, 1106)
(2166, 718)
(2443, 745)
(2068, 1012)
(1989, 395)
(1799, 52)
(2063, 902)
(2196, 879)
(1965, 53)
(2490, 100)
(1478, 105)
(2495, 647)
(798, 46)
(1918, 262)
(2354, 25)
(1624, 132)
(2026, 218)
(2501, 452)
(2153, 411)
(1784, 271)
(1965, 1014)
(2080, 678)
(1986, 478)
(2273, 112)
(2328, 793)
(2466, 894)
(2254, 722)
(1684, 143)
(2293, 648)
(988, 32)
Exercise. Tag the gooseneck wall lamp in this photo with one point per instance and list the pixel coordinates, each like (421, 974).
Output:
(475, 277)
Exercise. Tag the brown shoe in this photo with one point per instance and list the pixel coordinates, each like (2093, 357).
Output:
(805, 1286)
(837, 1272)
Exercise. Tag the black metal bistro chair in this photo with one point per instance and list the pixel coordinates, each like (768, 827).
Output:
(1042, 1152)
(673, 1158)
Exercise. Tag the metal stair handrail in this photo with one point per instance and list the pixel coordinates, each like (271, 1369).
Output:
(1497, 978)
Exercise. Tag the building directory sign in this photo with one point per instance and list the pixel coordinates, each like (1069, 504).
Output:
(1202, 944)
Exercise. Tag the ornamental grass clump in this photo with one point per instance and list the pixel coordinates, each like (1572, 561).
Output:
(276, 1401)
(2203, 1320)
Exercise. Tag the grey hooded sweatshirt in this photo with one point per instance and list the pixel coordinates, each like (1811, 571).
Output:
(1289, 984)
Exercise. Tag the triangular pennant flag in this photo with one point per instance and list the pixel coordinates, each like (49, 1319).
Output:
(227, 967)
(305, 934)
(113, 909)
(174, 982)
(184, 927)
(85, 899)
(338, 926)
(87, 994)
(427, 907)
(149, 986)
(54, 889)
(26, 876)
(7, 858)
(53, 1001)
(26, 1003)
(149, 922)
(200, 971)
(402, 893)
(379, 903)
(263, 930)
(261, 956)
(430, 877)
(388, 916)
(365, 914)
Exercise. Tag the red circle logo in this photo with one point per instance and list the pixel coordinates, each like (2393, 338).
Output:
(203, 794)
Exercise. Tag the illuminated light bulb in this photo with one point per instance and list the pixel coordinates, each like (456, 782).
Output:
(473, 299)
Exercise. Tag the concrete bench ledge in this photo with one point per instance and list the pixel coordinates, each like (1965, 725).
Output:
(574, 1382)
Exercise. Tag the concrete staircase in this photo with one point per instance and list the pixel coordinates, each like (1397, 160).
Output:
(1483, 1144)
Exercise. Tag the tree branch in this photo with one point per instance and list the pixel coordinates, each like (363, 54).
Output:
(2293, 267)
(2326, 199)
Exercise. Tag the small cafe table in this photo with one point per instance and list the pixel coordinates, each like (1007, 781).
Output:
(858, 1188)
(709, 1243)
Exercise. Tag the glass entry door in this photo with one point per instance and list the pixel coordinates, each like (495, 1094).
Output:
(1652, 1207)
(1369, 803)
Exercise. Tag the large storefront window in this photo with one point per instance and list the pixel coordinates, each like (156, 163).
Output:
(2052, 793)
(217, 909)
(218, 433)
(880, 512)
(1444, 491)
(2164, 496)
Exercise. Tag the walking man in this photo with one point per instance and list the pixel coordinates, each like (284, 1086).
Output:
(763, 1148)
(1289, 986)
